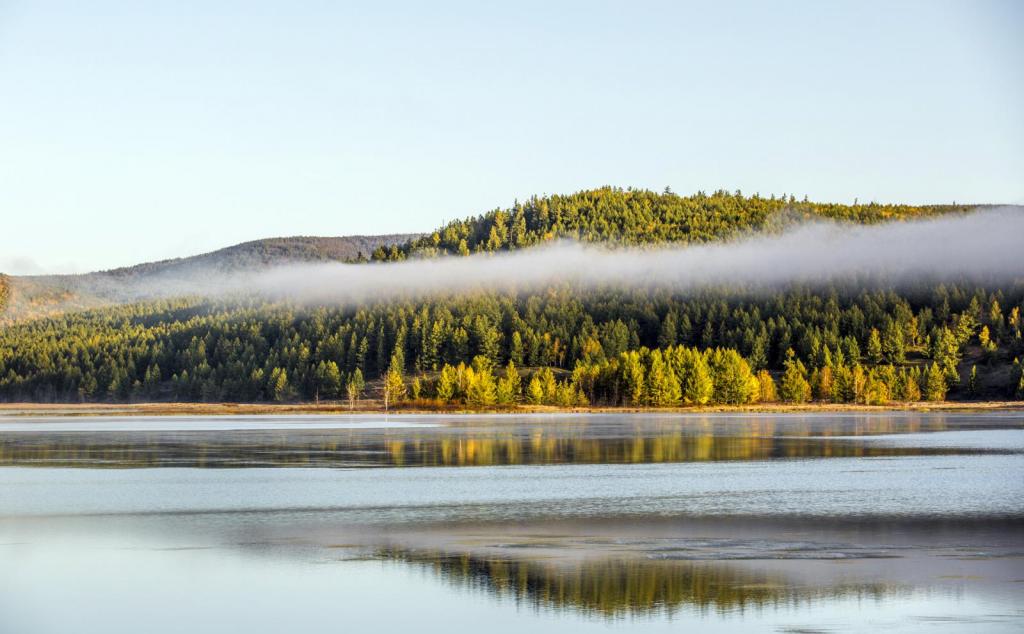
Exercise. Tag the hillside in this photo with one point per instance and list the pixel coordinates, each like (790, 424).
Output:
(867, 343)
(38, 295)
(637, 217)
(268, 252)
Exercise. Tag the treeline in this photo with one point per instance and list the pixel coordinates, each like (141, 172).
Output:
(864, 345)
(674, 377)
(635, 216)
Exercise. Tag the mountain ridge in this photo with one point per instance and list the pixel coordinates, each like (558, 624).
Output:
(28, 296)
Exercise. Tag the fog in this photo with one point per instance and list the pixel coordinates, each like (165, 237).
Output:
(985, 245)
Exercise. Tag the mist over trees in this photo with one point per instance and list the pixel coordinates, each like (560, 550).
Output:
(560, 345)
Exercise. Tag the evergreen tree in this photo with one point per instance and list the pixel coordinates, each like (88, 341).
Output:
(893, 344)
(534, 391)
(794, 387)
(874, 347)
(509, 385)
(447, 384)
(278, 385)
(697, 384)
(935, 384)
(354, 387)
(481, 390)
(733, 381)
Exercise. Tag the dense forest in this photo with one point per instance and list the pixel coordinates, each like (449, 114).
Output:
(635, 217)
(863, 341)
(567, 347)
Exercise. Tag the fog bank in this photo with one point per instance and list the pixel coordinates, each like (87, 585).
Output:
(986, 245)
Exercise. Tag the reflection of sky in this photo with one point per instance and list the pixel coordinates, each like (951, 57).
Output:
(115, 582)
(912, 486)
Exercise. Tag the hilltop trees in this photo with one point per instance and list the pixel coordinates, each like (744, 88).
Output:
(633, 216)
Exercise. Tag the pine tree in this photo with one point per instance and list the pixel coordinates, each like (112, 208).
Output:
(935, 384)
(669, 331)
(633, 377)
(509, 385)
(794, 387)
(733, 381)
(893, 344)
(515, 353)
(874, 347)
(278, 384)
(447, 384)
(534, 391)
(151, 383)
(354, 387)
(911, 386)
(481, 390)
(697, 384)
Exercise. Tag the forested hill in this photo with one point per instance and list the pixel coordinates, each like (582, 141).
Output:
(637, 216)
(31, 296)
(841, 343)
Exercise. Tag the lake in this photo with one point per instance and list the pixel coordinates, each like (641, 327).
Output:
(625, 522)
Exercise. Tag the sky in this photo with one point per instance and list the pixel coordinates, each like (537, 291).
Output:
(138, 131)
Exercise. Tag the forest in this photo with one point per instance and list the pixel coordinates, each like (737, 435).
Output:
(858, 341)
(640, 217)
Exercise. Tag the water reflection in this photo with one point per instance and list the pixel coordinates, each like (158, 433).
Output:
(630, 587)
(579, 440)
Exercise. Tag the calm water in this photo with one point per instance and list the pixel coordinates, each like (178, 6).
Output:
(904, 522)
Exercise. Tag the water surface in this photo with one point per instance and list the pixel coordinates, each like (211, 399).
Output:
(831, 522)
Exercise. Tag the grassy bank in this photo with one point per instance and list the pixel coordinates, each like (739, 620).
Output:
(370, 407)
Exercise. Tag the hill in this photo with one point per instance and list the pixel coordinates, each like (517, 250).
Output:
(637, 217)
(37, 295)
(867, 342)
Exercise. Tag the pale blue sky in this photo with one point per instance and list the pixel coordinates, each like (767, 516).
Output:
(134, 131)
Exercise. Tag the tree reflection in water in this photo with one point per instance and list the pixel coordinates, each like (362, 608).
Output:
(630, 587)
(578, 442)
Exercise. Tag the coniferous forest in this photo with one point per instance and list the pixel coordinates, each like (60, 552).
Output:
(862, 341)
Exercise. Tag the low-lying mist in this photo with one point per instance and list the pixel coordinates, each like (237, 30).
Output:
(985, 245)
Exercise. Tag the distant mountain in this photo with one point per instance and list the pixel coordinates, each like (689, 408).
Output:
(268, 252)
(38, 295)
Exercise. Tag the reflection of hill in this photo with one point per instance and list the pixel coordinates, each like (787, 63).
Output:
(435, 447)
(611, 588)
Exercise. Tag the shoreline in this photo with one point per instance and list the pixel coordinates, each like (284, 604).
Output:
(339, 408)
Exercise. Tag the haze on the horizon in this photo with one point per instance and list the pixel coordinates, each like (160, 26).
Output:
(135, 132)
